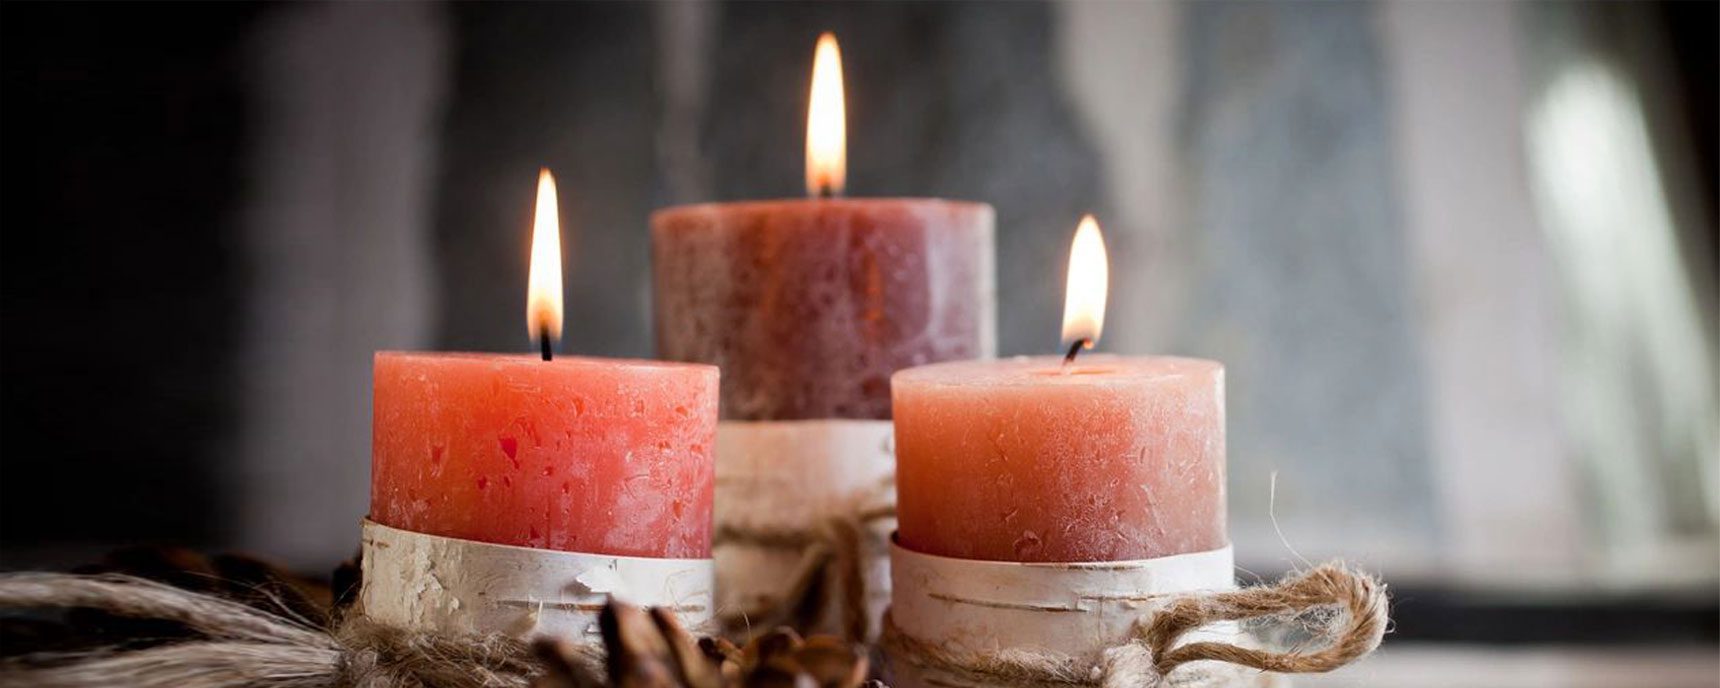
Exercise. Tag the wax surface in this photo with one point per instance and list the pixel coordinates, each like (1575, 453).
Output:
(577, 454)
(809, 305)
(1022, 460)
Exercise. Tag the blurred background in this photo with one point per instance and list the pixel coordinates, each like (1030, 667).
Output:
(1460, 259)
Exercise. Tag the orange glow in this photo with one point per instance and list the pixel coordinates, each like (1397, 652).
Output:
(826, 122)
(1089, 280)
(543, 293)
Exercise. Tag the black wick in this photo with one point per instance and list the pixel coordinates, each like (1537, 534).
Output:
(1075, 349)
(826, 190)
(543, 342)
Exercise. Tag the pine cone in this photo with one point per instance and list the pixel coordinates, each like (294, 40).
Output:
(650, 649)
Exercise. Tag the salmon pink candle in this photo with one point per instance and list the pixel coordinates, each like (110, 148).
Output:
(1050, 459)
(504, 483)
(574, 454)
(1025, 459)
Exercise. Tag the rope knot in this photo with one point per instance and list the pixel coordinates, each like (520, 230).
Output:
(1148, 658)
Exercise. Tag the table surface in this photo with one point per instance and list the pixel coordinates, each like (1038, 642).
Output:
(1417, 665)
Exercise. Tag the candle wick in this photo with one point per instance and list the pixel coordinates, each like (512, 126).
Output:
(543, 343)
(826, 190)
(1075, 349)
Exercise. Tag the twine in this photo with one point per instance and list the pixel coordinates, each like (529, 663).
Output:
(1355, 626)
(243, 645)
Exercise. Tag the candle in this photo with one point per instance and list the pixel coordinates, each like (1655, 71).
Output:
(1062, 459)
(573, 454)
(809, 305)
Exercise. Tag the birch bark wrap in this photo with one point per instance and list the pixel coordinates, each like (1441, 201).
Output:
(1075, 610)
(427, 582)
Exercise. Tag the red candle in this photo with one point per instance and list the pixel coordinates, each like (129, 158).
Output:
(574, 454)
(1051, 459)
(809, 305)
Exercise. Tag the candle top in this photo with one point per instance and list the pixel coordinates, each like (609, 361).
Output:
(561, 363)
(776, 205)
(1049, 371)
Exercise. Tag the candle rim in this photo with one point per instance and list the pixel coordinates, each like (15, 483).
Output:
(758, 205)
(561, 361)
(1022, 371)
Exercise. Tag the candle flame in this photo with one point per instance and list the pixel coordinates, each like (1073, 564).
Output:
(1089, 277)
(826, 123)
(543, 294)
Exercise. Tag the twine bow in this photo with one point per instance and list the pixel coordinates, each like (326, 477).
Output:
(1353, 626)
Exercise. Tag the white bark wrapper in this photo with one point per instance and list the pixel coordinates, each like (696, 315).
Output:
(1073, 609)
(428, 582)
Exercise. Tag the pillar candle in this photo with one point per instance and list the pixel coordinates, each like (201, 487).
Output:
(602, 456)
(597, 456)
(1031, 460)
(809, 305)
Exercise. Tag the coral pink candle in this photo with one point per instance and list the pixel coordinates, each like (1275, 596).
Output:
(1026, 460)
(574, 454)
(1100, 458)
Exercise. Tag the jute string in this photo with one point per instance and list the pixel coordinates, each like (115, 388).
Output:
(1343, 608)
(243, 645)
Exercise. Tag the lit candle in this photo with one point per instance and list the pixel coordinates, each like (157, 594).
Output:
(810, 304)
(1063, 458)
(575, 454)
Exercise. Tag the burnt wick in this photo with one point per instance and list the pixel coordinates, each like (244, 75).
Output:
(1076, 348)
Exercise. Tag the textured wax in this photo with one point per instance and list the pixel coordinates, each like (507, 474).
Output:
(603, 456)
(809, 305)
(1024, 459)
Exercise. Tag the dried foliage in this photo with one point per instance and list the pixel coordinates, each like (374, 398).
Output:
(92, 629)
(650, 649)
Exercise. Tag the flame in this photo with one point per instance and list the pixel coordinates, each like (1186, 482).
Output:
(543, 295)
(1089, 277)
(826, 123)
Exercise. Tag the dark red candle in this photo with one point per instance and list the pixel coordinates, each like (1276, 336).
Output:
(808, 306)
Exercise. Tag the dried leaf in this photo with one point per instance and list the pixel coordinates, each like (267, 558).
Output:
(761, 649)
(719, 649)
(833, 663)
(564, 667)
(638, 654)
(695, 670)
